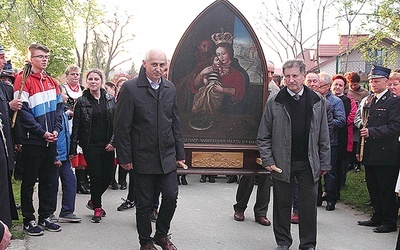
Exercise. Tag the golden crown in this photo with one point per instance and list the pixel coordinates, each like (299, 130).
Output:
(223, 37)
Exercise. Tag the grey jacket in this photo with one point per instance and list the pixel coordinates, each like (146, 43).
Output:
(274, 135)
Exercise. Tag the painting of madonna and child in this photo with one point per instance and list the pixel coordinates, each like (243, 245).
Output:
(219, 77)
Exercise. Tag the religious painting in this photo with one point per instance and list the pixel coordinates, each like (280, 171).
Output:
(219, 71)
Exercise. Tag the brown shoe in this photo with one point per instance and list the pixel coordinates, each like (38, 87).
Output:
(148, 246)
(263, 221)
(238, 216)
(164, 242)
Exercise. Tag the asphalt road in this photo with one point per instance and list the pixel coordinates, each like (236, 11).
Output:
(204, 220)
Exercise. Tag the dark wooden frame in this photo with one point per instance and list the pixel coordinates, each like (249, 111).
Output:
(249, 151)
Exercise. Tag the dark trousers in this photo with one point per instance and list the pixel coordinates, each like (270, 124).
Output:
(146, 188)
(68, 184)
(308, 190)
(122, 173)
(353, 162)
(295, 196)
(131, 187)
(342, 167)
(331, 178)
(398, 235)
(5, 186)
(38, 163)
(131, 192)
(18, 166)
(100, 165)
(245, 188)
(381, 183)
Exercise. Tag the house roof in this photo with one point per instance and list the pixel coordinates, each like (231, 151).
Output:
(333, 50)
(350, 40)
(308, 58)
(328, 50)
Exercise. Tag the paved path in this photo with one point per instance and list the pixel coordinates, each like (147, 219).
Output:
(204, 221)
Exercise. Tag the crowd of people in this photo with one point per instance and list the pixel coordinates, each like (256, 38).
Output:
(314, 128)
(349, 112)
(63, 133)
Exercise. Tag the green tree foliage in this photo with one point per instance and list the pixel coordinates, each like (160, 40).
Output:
(132, 71)
(84, 20)
(23, 22)
(387, 18)
(384, 25)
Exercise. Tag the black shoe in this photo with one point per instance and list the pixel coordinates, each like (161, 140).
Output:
(203, 178)
(232, 179)
(211, 179)
(123, 186)
(82, 189)
(32, 229)
(330, 206)
(183, 180)
(385, 229)
(126, 204)
(49, 226)
(368, 223)
(114, 185)
(179, 180)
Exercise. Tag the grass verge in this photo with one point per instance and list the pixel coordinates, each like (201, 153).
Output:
(16, 229)
(355, 193)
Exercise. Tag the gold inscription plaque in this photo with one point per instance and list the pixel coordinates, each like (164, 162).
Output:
(217, 159)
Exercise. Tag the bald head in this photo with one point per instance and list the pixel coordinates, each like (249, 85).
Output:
(312, 81)
(271, 71)
(155, 62)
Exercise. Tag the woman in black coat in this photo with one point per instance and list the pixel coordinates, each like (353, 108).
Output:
(92, 129)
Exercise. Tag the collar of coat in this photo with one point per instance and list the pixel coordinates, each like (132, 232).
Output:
(283, 96)
(143, 82)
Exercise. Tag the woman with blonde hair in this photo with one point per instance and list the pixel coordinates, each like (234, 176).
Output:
(394, 83)
(93, 130)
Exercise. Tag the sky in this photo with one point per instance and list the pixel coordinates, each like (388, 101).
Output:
(161, 23)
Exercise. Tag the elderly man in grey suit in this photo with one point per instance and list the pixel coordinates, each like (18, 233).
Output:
(294, 137)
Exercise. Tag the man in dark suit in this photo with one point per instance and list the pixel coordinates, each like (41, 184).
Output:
(149, 140)
(380, 156)
(246, 184)
(8, 210)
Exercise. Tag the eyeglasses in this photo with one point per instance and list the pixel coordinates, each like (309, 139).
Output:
(93, 79)
(323, 86)
(42, 57)
(73, 74)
